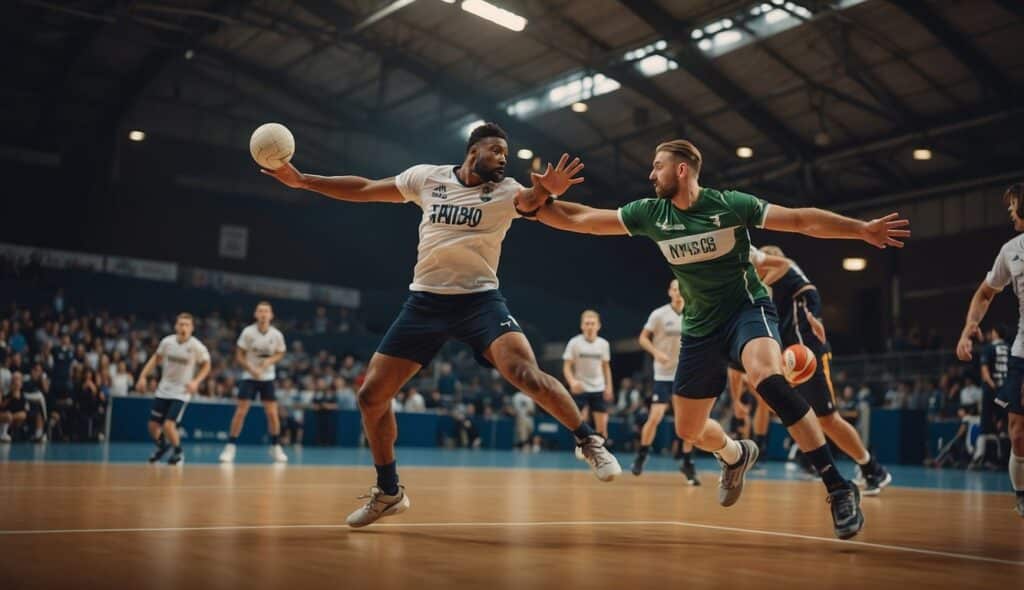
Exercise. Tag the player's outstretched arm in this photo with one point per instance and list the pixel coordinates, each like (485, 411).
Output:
(342, 188)
(975, 313)
(581, 219)
(769, 267)
(881, 233)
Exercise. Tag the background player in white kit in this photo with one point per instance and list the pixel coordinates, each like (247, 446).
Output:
(467, 210)
(660, 338)
(586, 364)
(1007, 269)
(260, 346)
(184, 363)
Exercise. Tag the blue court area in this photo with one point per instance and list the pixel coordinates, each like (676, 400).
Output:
(254, 455)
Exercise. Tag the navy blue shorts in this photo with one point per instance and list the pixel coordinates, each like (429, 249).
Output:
(593, 399)
(793, 324)
(167, 409)
(703, 360)
(250, 388)
(428, 320)
(662, 392)
(1009, 395)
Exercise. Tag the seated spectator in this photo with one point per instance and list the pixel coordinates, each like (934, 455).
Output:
(970, 396)
(13, 409)
(414, 402)
(346, 395)
(90, 405)
(121, 383)
(325, 402)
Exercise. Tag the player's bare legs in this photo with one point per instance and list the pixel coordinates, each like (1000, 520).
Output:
(238, 419)
(511, 354)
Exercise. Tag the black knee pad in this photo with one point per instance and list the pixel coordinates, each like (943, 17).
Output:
(789, 405)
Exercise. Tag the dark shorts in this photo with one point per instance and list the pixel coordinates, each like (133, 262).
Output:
(703, 360)
(662, 392)
(428, 320)
(818, 390)
(1008, 396)
(167, 409)
(793, 324)
(250, 388)
(593, 400)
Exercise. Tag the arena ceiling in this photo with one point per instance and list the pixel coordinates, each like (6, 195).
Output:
(832, 98)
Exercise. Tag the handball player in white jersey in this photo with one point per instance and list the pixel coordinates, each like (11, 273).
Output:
(467, 209)
(184, 363)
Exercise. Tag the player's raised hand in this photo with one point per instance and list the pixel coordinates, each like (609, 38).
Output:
(885, 231)
(288, 175)
(966, 344)
(557, 179)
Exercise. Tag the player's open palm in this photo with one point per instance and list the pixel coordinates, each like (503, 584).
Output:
(887, 231)
(287, 175)
(557, 179)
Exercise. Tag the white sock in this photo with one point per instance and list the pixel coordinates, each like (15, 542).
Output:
(39, 432)
(3, 428)
(863, 460)
(731, 452)
(1017, 472)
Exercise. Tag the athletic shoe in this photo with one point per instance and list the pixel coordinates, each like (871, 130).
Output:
(846, 515)
(6, 438)
(379, 505)
(277, 454)
(638, 465)
(159, 453)
(730, 486)
(228, 454)
(602, 461)
(1020, 506)
(690, 472)
(177, 458)
(874, 482)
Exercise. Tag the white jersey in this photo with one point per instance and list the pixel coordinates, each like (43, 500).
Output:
(523, 404)
(461, 230)
(179, 365)
(1008, 269)
(259, 346)
(588, 361)
(666, 327)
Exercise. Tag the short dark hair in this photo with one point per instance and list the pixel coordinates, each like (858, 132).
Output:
(1015, 193)
(484, 131)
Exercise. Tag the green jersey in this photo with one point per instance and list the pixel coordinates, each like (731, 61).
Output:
(708, 247)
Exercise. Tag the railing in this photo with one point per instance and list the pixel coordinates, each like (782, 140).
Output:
(896, 365)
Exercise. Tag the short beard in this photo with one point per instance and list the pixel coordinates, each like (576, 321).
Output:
(487, 175)
(667, 192)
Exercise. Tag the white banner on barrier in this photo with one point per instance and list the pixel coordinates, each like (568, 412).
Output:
(140, 268)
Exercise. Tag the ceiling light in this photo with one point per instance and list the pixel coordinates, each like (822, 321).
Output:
(922, 154)
(745, 152)
(854, 264)
(189, 54)
(524, 154)
(468, 128)
(136, 135)
(499, 16)
(579, 107)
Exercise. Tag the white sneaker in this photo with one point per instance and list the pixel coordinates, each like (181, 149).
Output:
(379, 505)
(228, 454)
(5, 438)
(277, 454)
(606, 467)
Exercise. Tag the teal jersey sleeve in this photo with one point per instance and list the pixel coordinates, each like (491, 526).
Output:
(751, 209)
(638, 216)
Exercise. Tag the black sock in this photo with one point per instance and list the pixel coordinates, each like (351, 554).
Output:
(821, 459)
(871, 466)
(687, 457)
(1020, 493)
(161, 443)
(644, 449)
(387, 478)
(273, 439)
(177, 449)
(232, 440)
(582, 432)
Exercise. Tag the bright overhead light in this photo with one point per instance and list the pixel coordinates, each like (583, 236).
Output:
(854, 264)
(448, 1)
(745, 152)
(524, 154)
(728, 37)
(579, 107)
(469, 127)
(705, 44)
(499, 16)
(189, 54)
(922, 154)
(136, 135)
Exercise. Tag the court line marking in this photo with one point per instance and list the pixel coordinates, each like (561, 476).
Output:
(898, 548)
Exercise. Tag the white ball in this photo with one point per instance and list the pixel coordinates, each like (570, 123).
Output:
(272, 145)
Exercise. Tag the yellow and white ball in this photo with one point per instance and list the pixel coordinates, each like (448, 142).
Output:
(272, 145)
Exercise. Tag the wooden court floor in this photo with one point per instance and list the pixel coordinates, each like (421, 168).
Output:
(197, 527)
